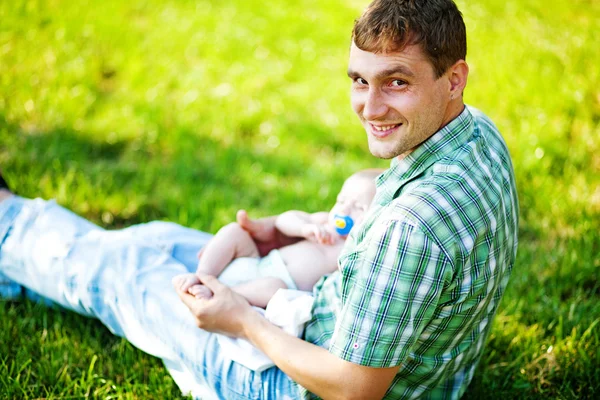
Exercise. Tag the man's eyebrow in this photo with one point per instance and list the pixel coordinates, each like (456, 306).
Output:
(399, 69)
(352, 74)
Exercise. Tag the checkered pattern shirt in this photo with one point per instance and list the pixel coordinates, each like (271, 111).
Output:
(420, 280)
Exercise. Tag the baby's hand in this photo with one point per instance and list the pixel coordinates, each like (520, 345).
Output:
(318, 233)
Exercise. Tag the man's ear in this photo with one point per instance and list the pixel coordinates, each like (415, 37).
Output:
(457, 76)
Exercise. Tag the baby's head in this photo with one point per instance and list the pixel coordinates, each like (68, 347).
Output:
(354, 200)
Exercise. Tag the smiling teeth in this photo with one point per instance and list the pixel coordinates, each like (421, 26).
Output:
(384, 127)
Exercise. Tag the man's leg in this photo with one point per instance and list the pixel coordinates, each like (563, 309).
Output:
(179, 242)
(9, 289)
(183, 244)
(123, 282)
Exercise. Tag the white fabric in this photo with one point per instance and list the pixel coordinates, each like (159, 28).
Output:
(245, 269)
(288, 309)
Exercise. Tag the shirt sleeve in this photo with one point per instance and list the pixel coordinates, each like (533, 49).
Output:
(392, 285)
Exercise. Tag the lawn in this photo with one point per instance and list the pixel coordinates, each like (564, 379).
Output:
(127, 112)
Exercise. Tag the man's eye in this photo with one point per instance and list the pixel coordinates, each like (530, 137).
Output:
(361, 81)
(398, 82)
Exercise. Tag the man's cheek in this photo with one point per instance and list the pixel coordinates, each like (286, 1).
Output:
(357, 105)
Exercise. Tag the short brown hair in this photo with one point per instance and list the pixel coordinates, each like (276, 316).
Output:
(437, 25)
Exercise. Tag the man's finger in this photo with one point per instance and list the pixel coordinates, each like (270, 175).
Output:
(190, 301)
(178, 280)
(211, 282)
(185, 281)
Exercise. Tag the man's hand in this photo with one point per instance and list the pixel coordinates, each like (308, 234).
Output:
(200, 292)
(266, 236)
(224, 312)
(313, 367)
(191, 284)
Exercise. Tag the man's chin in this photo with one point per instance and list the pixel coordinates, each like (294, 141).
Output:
(383, 156)
(379, 152)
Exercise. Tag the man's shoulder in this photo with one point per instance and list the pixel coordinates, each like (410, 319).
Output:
(435, 198)
(486, 128)
(458, 196)
(481, 119)
(454, 202)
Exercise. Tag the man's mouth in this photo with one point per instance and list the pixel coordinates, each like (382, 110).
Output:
(381, 131)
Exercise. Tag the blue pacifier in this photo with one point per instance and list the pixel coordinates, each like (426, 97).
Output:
(343, 224)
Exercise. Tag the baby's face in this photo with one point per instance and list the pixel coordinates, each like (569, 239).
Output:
(354, 199)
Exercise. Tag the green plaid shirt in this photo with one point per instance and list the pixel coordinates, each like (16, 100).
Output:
(422, 277)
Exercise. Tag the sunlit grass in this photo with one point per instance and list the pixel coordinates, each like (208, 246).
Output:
(186, 111)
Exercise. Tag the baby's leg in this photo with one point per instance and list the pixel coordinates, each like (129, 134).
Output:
(200, 291)
(228, 244)
(259, 291)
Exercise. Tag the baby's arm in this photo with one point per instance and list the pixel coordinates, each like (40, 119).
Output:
(312, 227)
(230, 242)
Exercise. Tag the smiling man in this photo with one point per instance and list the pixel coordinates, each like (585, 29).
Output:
(400, 99)
(419, 282)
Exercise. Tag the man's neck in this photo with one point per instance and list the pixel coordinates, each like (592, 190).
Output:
(454, 110)
(457, 110)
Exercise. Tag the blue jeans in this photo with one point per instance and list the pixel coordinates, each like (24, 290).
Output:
(123, 278)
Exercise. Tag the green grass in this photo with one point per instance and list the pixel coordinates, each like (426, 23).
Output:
(186, 111)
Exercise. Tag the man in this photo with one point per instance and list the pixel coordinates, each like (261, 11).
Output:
(420, 280)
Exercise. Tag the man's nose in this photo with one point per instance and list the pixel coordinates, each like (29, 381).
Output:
(375, 106)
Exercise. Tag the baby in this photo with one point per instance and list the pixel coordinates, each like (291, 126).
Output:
(296, 266)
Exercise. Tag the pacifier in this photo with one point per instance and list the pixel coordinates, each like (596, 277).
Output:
(343, 224)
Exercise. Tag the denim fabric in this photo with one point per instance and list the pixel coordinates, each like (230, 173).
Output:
(9, 289)
(123, 278)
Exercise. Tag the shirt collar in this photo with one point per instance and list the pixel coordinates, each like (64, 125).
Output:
(440, 144)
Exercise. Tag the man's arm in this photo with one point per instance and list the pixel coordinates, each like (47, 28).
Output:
(315, 368)
(311, 366)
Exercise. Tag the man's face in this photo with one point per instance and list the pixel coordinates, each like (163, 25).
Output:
(398, 99)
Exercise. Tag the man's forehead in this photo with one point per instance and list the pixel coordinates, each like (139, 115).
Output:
(404, 61)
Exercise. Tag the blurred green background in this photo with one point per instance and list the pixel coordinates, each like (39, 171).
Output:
(185, 111)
